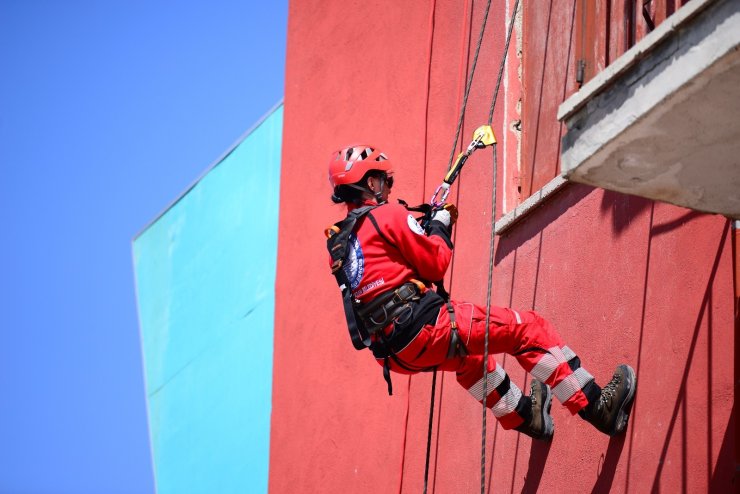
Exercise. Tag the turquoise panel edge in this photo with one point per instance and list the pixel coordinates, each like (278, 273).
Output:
(205, 275)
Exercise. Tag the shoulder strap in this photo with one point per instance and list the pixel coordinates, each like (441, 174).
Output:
(338, 234)
(338, 243)
(377, 228)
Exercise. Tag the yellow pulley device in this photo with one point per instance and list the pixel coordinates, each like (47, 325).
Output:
(482, 137)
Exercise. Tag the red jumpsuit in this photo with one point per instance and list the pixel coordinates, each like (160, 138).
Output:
(396, 250)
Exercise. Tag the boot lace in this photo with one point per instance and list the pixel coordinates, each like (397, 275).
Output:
(608, 391)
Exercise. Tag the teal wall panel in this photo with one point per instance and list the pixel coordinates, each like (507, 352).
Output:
(205, 275)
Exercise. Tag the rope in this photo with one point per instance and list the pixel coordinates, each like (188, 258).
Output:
(491, 251)
(426, 132)
(449, 165)
(493, 233)
(489, 293)
(429, 433)
(469, 83)
(405, 434)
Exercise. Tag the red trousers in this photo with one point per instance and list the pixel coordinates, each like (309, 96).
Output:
(531, 339)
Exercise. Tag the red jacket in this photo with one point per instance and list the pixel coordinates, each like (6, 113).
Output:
(397, 251)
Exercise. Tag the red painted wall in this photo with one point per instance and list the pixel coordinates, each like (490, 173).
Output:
(624, 279)
(549, 60)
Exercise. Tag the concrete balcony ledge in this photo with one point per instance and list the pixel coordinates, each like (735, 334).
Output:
(663, 121)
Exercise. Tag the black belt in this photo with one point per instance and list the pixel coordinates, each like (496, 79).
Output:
(389, 306)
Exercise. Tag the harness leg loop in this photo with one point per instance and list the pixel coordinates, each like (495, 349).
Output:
(457, 347)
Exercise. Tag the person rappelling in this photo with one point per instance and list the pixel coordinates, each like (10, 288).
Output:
(385, 262)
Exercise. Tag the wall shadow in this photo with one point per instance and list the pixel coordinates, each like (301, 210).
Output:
(624, 208)
(537, 459)
(489, 481)
(609, 465)
(681, 399)
(725, 476)
(570, 195)
(677, 223)
(642, 329)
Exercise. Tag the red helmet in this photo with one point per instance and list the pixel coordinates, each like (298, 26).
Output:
(349, 164)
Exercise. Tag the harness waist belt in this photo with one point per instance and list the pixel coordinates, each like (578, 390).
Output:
(388, 306)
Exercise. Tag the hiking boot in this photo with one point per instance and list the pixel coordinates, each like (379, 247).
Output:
(611, 411)
(540, 425)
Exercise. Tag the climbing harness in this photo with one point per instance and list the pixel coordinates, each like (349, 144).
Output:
(367, 322)
(393, 305)
(457, 347)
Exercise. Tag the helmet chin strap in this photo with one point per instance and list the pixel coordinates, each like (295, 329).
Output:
(378, 196)
(379, 193)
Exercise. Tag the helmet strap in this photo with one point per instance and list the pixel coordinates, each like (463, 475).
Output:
(379, 194)
(367, 192)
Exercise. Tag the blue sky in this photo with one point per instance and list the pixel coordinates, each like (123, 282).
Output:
(108, 111)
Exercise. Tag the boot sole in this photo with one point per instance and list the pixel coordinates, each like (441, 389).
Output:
(626, 407)
(549, 424)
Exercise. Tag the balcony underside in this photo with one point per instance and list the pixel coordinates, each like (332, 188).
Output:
(663, 121)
